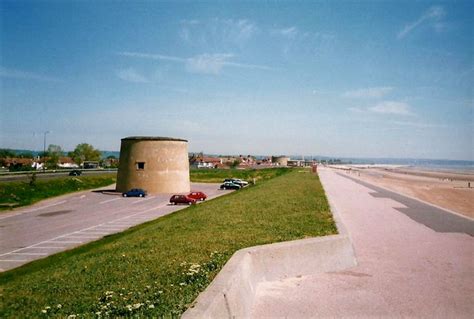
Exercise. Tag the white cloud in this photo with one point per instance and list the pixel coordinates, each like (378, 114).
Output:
(391, 107)
(207, 63)
(131, 75)
(152, 56)
(290, 32)
(375, 92)
(24, 75)
(217, 32)
(203, 63)
(433, 15)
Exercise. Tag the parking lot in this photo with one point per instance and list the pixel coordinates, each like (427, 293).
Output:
(69, 221)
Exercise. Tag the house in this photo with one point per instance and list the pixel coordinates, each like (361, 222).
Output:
(207, 162)
(66, 162)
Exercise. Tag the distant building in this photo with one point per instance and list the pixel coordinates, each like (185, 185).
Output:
(280, 160)
(67, 162)
(90, 164)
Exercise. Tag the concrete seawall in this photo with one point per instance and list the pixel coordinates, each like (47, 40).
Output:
(232, 293)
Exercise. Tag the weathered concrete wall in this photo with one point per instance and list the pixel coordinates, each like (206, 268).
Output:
(165, 165)
(231, 294)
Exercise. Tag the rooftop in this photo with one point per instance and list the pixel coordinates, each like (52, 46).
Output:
(153, 138)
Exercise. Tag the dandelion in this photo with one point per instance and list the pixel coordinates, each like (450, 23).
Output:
(160, 291)
(151, 306)
(47, 307)
(182, 284)
(71, 316)
(98, 313)
(59, 306)
(44, 311)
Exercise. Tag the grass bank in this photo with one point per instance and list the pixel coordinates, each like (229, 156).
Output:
(158, 268)
(17, 194)
(218, 175)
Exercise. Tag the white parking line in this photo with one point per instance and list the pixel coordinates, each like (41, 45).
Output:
(96, 233)
(41, 247)
(15, 260)
(80, 236)
(109, 200)
(32, 254)
(65, 242)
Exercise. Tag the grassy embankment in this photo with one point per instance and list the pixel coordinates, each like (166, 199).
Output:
(158, 268)
(218, 175)
(17, 194)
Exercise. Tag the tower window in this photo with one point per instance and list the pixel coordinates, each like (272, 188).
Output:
(140, 165)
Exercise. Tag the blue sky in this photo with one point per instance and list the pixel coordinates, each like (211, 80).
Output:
(347, 79)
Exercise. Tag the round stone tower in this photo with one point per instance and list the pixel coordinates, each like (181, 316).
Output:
(156, 164)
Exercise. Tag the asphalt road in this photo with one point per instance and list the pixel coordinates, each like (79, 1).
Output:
(48, 175)
(68, 221)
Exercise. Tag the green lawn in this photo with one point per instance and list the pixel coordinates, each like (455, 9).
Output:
(218, 175)
(158, 268)
(22, 193)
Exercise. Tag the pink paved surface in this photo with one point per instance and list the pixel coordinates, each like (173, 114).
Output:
(405, 269)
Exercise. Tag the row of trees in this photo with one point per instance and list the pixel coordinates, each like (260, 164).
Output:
(83, 152)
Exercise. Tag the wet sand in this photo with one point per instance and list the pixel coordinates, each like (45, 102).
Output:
(445, 189)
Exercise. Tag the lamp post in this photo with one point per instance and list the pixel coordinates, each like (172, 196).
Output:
(44, 149)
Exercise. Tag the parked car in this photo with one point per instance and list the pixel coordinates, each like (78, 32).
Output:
(197, 195)
(237, 181)
(75, 172)
(230, 185)
(135, 192)
(182, 199)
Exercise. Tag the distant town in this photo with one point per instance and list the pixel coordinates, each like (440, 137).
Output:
(85, 156)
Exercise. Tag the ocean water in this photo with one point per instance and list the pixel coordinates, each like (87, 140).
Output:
(423, 164)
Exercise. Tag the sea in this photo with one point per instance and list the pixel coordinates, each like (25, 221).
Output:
(454, 166)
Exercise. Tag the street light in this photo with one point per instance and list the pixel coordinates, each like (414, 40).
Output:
(44, 149)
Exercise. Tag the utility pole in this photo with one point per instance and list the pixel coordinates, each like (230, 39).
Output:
(44, 149)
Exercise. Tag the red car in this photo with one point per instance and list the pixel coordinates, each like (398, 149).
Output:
(182, 199)
(197, 195)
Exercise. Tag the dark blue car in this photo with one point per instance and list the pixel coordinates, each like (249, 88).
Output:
(135, 192)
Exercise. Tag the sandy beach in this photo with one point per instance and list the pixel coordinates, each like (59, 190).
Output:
(445, 189)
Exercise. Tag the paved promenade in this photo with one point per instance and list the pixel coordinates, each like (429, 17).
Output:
(414, 260)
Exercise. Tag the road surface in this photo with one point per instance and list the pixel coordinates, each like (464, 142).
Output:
(71, 220)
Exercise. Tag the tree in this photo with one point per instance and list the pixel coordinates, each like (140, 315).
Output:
(5, 152)
(53, 153)
(84, 152)
(26, 154)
